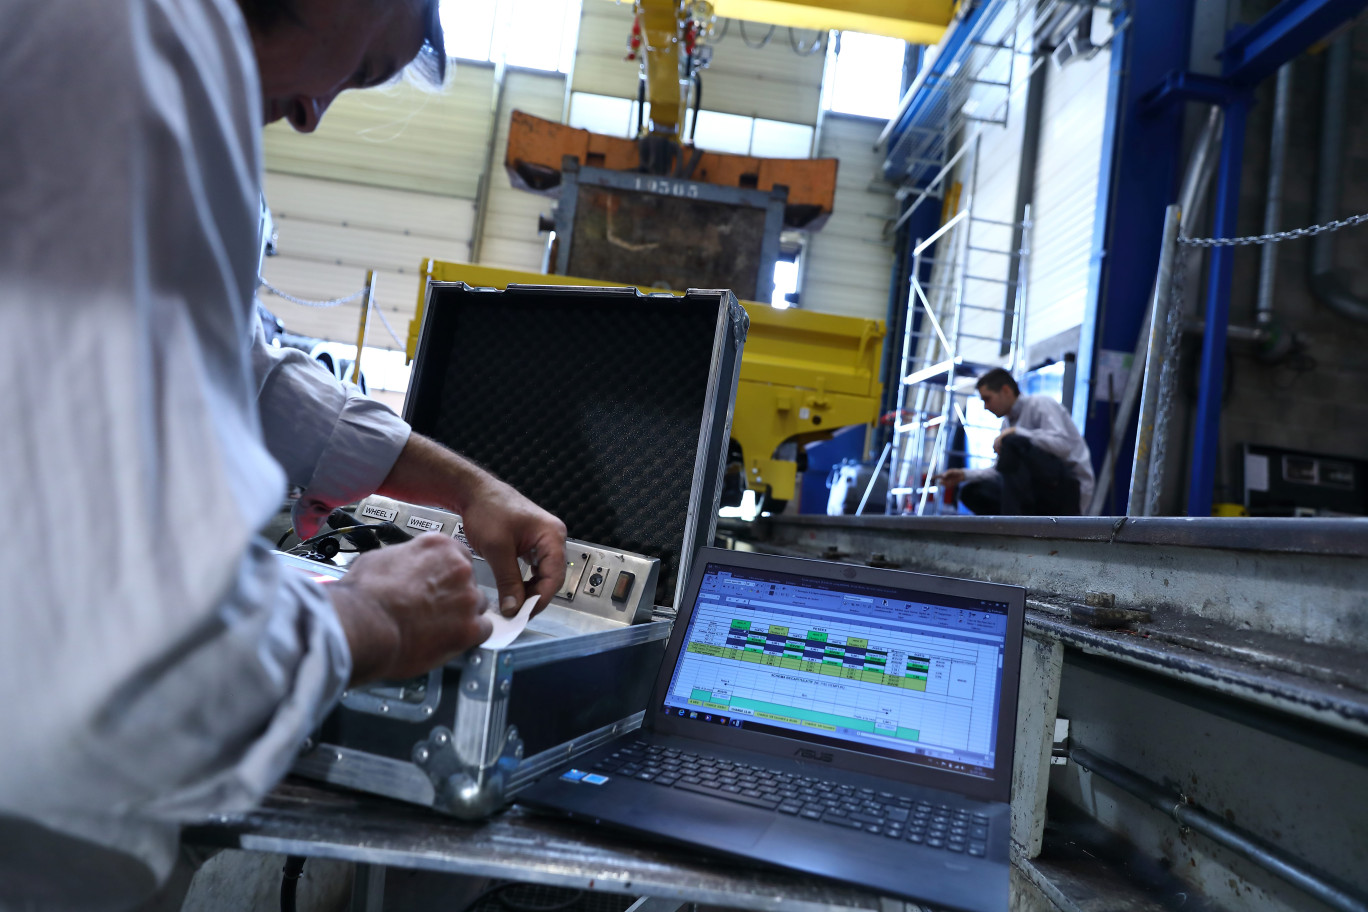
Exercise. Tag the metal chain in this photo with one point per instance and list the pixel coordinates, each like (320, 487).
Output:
(1179, 278)
(380, 312)
(333, 302)
(1276, 236)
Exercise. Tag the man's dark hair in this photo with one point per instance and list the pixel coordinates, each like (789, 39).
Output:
(429, 66)
(996, 379)
(265, 15)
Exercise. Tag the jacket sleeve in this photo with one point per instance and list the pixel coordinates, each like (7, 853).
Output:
(335, 443)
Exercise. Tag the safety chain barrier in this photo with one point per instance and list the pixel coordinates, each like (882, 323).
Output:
(332, 302)
(1275, 237)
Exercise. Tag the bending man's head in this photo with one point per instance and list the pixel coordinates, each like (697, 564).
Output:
(999, 391)
(310, 51)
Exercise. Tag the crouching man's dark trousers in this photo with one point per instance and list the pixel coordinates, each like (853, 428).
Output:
(1029, 482)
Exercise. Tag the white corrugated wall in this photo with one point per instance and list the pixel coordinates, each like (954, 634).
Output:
(1067, 173)
(390, 177)
(849, 261)
(1062, 209)
(990, 175)
(510, 232)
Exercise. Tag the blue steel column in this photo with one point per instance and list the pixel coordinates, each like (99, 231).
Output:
(1207, 430)
(1140, 165)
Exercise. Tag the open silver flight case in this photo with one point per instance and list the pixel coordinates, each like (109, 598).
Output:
(611, 409)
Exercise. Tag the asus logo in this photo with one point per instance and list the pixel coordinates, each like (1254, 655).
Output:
(809, 754)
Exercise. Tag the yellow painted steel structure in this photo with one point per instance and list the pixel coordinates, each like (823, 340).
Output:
(914, 21)
(668, 92)
(803, 375)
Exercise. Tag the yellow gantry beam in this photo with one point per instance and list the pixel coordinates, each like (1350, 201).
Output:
(660, 33)
(914, 21)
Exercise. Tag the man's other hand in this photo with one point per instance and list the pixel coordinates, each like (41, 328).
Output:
(997, 441)
(502, 526)
(950, 476)
(408, 608)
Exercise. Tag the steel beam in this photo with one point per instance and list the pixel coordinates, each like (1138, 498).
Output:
(914, 21)
(1182, 85)
(1140, 169)
(1255, 52)
(1207, 432)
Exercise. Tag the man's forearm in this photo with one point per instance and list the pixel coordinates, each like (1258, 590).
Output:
(501, 524)
(428, 473)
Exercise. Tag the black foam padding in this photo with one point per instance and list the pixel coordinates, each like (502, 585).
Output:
(589, 402)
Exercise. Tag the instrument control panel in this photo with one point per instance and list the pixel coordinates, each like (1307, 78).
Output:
(615, 585)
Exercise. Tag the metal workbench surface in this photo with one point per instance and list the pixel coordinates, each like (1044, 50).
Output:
(301, 818)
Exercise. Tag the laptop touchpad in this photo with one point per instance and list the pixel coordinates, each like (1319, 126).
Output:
(698, 819)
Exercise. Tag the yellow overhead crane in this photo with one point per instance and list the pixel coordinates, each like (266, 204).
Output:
(914, 21)
(803, 375)
(673, 32)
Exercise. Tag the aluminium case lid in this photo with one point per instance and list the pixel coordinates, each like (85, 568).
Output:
(606, 406)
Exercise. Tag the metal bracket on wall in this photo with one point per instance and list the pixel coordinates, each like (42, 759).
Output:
(1181, 86)
(1059, 751)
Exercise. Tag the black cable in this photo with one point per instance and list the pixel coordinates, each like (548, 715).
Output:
(750, 44)
(698, 104)
(363, 539)
(343, 531)
(289, 882)
(280, 542)
(817, 44)
(504, 900)
(641, 106)
(726, 24)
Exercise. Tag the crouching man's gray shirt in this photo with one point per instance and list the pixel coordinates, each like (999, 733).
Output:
(1044, 422)
(156, 663)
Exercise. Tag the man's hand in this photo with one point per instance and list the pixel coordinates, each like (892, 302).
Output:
(500, 523)
(950, 476)
(408, 608)
(997, 441)
(502, 526)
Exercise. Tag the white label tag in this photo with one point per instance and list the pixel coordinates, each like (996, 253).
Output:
(427, 525)
(376, 512)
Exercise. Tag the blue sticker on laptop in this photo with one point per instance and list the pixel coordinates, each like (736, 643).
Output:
(573, 775)
(594, 779)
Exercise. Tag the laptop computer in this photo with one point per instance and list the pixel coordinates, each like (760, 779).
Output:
(846, 721)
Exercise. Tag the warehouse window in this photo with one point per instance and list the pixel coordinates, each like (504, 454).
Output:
(717, 132)
(785, 283)
(864, 75)
(535, 34)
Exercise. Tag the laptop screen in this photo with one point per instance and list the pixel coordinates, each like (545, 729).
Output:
(894, 672)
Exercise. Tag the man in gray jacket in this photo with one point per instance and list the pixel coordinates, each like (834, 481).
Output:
(1043, 467)
(157, 663)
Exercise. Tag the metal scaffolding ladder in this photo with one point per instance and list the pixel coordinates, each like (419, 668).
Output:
(946, 346)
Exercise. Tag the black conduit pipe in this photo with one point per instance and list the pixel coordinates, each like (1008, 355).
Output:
(1265, 855)
(289, 883)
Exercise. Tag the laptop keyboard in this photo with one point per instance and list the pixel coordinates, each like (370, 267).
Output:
(935, 825)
